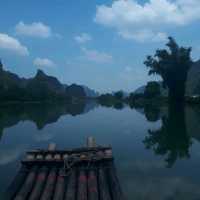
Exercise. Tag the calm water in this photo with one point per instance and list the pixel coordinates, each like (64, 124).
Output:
(157, 156)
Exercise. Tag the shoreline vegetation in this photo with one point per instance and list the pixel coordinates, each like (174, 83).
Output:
(172, 65)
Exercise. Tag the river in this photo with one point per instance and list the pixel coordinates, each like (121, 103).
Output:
(156, 156)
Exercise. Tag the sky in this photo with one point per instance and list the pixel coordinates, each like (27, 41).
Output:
(98, 43)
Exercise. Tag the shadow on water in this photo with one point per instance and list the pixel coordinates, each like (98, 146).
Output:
(171, 140)
(40, 114)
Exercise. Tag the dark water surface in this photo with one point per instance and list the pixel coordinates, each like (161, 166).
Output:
(157, 155)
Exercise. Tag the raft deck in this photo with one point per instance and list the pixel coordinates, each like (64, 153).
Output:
(78, 174)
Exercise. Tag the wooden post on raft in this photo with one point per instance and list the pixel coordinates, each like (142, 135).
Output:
(51, 147)
(91, 143)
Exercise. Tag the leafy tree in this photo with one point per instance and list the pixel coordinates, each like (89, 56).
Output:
(1, 65)
(106, 100)
(152, 89)
(172, 65)
(119, 95)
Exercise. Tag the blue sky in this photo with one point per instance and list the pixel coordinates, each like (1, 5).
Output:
(98, 43)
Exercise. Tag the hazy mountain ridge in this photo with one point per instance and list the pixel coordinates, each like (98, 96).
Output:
(89, 92)
(40, 87)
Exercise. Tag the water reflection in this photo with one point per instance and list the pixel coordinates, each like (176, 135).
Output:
(142, 172)
(171, 140)
(40, 114)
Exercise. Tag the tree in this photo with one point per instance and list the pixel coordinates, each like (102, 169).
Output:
(118, 95)
(173, 66)
(1, 65)
(152, 89)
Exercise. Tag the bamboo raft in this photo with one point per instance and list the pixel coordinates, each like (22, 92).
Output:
(86, 173)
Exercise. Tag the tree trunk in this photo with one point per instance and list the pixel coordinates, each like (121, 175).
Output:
(177, 93)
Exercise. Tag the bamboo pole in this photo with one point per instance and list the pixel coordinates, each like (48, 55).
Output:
(49, 187)
(60, 185)
(91, 143)
(71, 187)
(40, 181)
(27, 186)
(103, 186)
(92, 186)
(82, 186)
(114, 183)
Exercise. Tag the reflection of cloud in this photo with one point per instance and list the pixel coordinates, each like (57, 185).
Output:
(144, 179)
(43, 136)
(10, 155)
(128, 132)
(142, 165)
(163, 188)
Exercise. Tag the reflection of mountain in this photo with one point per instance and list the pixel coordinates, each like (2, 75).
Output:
(40, 114)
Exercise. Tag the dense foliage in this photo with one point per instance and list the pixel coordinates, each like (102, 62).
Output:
(152, 90)
(173, 66)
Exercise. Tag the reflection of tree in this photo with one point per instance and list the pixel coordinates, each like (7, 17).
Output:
(40, 114)
(152, 113)
(171, 140)
(118, 105)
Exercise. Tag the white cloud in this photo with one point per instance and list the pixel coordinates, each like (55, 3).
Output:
(145, 35)
(131, 18)
(83, 38)
(36, 29)
(96, 56)
(12, 44)
(43, 62)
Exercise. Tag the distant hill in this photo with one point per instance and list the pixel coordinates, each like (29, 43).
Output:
(43, 86)
(39, 88)
(125, 94)
(10, 80)
(75, 91)
(89, 92)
